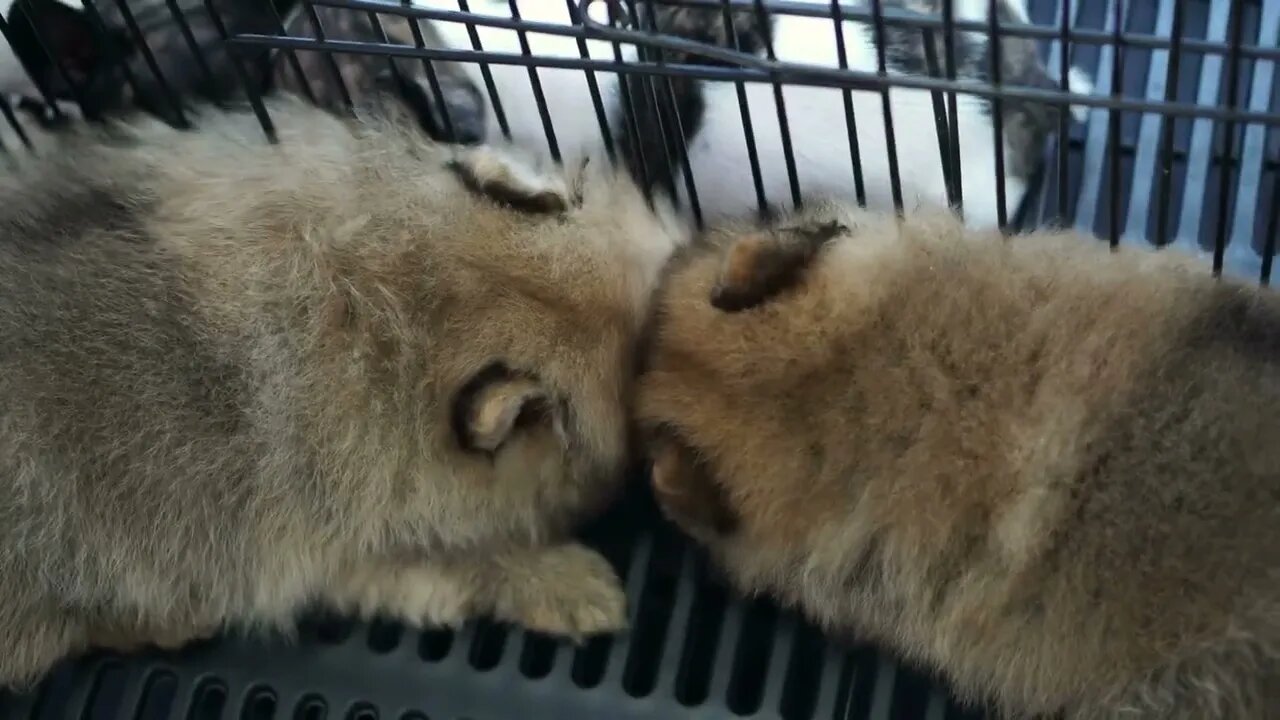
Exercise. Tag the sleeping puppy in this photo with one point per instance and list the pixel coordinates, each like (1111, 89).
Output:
(1044, 469)
(353, 368)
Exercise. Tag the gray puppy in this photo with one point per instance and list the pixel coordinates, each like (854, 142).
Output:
(331, 370)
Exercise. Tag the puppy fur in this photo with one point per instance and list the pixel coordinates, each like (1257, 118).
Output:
(1043, 468)
(238, 378)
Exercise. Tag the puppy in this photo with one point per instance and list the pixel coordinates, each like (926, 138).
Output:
(239, 378)
(1045, 469)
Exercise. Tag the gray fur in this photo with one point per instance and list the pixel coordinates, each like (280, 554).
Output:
(1027, 125)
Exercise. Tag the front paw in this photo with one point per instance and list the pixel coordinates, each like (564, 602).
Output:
(567, 590)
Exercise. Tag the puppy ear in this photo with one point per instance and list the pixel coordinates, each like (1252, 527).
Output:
(686, 492)
(761, 265)
(493, 405)
(503, 178)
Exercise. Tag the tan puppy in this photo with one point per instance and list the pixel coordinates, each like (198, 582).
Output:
(238, 378)
(1049, 471)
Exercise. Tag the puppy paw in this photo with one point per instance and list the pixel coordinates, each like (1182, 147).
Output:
(568, 590)
(505, 179)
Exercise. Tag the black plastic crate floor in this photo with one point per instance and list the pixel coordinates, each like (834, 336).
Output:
(694, 650)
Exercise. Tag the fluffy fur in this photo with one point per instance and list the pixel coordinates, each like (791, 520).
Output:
(1044, 469)
(237, 378)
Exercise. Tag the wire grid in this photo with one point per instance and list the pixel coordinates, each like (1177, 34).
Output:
(1180, 146)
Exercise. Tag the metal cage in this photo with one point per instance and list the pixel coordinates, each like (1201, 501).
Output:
(1179, 146)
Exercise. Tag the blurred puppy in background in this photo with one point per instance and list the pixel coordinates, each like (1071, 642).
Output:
(70, 55)
(354, 368)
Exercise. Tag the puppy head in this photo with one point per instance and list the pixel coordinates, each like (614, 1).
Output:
(729, 396)
(562, 267)
(504, 320)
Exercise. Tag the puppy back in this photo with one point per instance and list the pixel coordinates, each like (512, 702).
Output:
(1031, 449)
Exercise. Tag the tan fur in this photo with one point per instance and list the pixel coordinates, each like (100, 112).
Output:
(1048, 470)
(238, 378)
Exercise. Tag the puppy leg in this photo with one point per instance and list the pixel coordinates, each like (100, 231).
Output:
(565, 590)
(419, 593)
